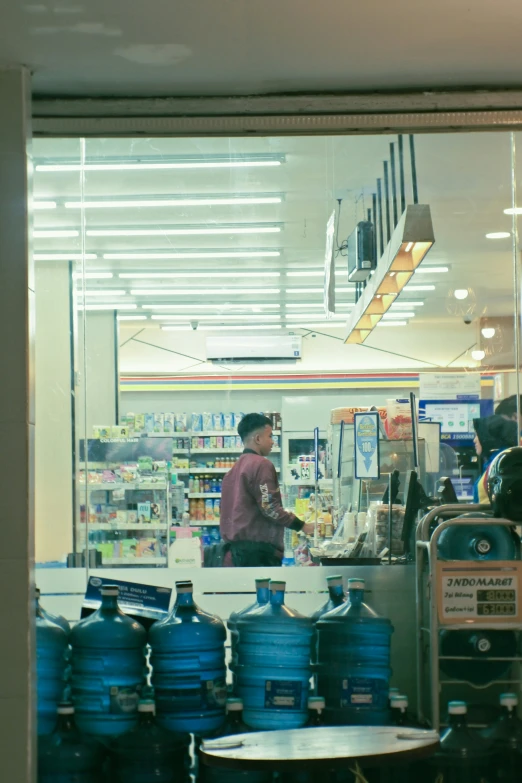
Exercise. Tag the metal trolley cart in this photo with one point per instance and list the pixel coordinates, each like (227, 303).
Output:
(462, 595)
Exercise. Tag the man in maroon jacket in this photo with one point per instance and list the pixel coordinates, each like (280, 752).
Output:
(252, 517)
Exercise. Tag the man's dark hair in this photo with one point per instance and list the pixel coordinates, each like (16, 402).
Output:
(508, 407)
(252, 422)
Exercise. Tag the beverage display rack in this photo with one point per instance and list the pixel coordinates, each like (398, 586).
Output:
(441, 608)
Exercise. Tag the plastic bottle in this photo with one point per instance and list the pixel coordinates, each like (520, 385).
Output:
(149, 752)
(217, 510)
(464, 756)
(66, 756)
(53, 618)
(273, 669)
(262, 598)
(353, 653)
(316, 707)
(505, 736)
(51, 649)
(399, 708)
(188, 662)
(108, 668)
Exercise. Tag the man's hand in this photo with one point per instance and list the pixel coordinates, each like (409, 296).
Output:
(308, 528)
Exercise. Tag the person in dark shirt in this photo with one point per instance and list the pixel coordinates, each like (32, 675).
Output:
(253, 519)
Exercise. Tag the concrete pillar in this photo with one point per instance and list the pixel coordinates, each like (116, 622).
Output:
(17, 424)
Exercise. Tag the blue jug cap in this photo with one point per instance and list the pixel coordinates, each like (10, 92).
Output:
(333, 581)
(355, 584)
(65, 708)
(184, 587)
(110, 590)
(399, 701)
(509, 700)
(457, 708)
(262, 582)
(234, 705)
(277, 586)
(316, 703)
(147, 705)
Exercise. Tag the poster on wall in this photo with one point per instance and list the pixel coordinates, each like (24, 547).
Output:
(366, 445)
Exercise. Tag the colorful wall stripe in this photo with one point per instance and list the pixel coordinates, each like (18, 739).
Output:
(129, 383)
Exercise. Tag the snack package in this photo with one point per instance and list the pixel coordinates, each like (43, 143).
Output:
(196, 422)
(139, 422)
(121, 517)
(169, 422)
(207, 421)
(145, 465)
(377, 526)
(181, 422)
(144, 512)
(149, 422)
(228, 421)
(129, 473)
(159, 422)
(104, 431)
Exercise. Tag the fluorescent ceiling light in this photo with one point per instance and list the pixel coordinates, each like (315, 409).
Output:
(411, 240)
(112, 306)
(249, 308)
(318, 325)
(409, 288)
(503, 234)
(64, 256)
(203, 291)
(171, 202)
(461, 293)
(231, 328)
(392, 323)
(398, 314)
(318, 290)
(431, 270)
(169, 232)
(209, 274)
(319, 273)
(397, 305)
(488, 332)
(478, 355)
(55, 233)
(199, 317)
(513, 211)
(304, 305)
(106, 292)
(304, 316)
(92, 275)
(211, 162)
(172, 256)
(44, 204)
(131, 317)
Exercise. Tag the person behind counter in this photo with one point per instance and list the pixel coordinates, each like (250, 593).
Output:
(253, 519)
(492, 435)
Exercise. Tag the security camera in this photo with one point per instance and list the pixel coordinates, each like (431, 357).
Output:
(468, 319)
(194, 325)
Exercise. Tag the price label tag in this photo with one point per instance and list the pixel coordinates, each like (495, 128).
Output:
(489, 594)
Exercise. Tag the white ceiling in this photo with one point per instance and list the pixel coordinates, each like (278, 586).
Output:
(231, 47)
(465, 178)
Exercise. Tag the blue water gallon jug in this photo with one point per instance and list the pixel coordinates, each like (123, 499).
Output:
(188, 662)
(505, 736)
(108, 668)
(233, 725)
(57, 619)
(273, 669)
(478, 542)
(336, 597)
(150, 753)
(262, 598)
(354, 661)
(66, 756)
(464, 756)
(480, 650)
(51, 667)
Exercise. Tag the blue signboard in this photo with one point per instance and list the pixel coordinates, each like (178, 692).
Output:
(366, 444)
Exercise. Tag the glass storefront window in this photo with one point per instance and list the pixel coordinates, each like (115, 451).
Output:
(180, 284)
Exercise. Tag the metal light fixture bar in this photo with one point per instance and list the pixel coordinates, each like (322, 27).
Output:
(409, 243)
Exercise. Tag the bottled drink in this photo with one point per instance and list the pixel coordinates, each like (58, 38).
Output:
(505, 736)
(108, 668)
(51, 647)
(188, 662)
(353, 666)
(53, 618)
(316, 706)
(399, 709)
(262, 598)
(65, 756)
(149, 752)
(464, 756)
(273, 668)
